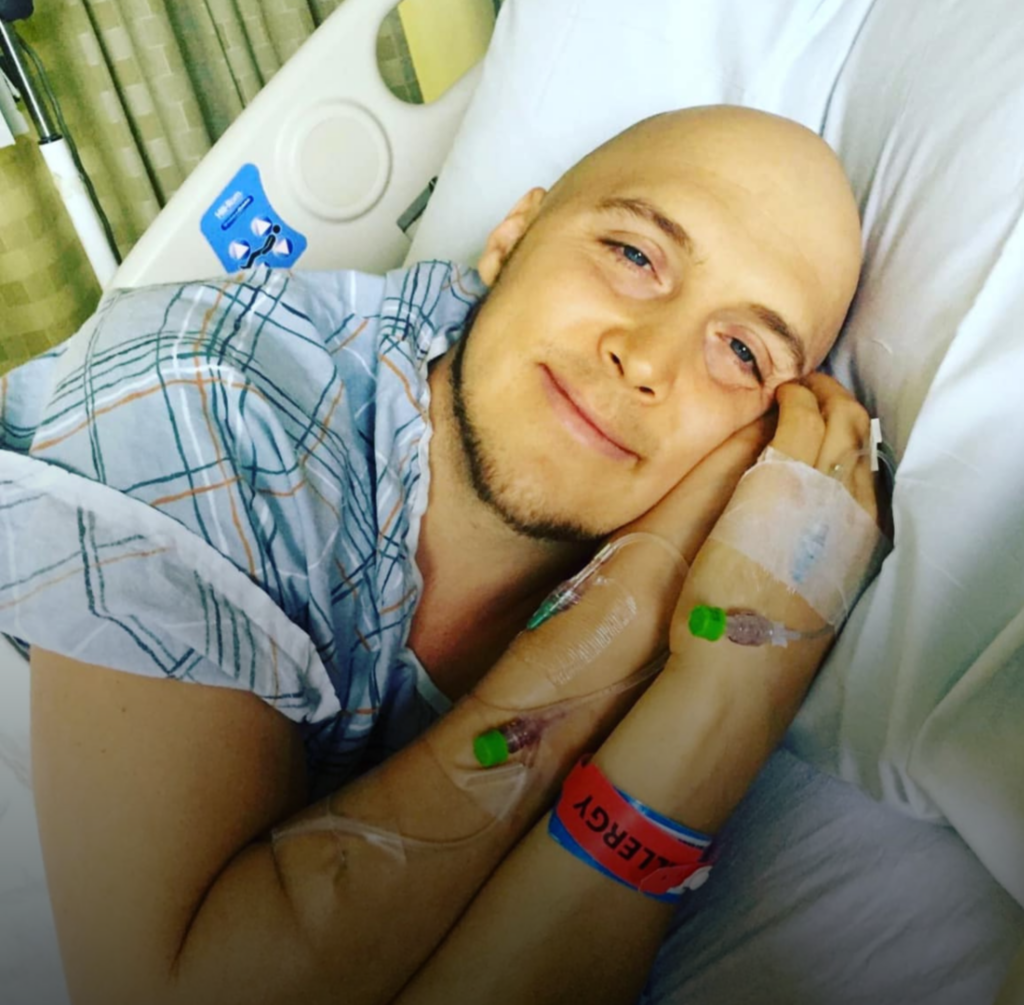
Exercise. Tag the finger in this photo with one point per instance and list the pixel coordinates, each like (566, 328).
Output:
(862, 487)
(831, 395)
(733, 456)
(845, 449)
(823, 385)
(801, 427)
(847, 431)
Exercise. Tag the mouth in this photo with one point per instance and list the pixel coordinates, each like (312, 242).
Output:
(581, 424)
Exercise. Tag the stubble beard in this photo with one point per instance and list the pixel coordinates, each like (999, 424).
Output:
(493, 487)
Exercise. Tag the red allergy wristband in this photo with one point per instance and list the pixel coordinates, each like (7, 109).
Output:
(620, 838)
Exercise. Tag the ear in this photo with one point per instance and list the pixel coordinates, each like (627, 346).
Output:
(507, 235)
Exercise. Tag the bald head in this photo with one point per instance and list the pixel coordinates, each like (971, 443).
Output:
(776, 179)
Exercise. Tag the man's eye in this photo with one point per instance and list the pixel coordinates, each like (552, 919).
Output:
(746, 357)
(635, 255)
(631, 254)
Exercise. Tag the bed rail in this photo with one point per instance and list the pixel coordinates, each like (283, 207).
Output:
(332, 160)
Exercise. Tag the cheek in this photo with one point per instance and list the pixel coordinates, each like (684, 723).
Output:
(485, 386)
(501, 390)
(556, 299)
(715, 416)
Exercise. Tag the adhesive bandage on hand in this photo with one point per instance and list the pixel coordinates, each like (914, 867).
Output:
(804, 529)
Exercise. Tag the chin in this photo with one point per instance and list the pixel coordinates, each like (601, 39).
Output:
(526, 479)
(559, 508)
(540, 507)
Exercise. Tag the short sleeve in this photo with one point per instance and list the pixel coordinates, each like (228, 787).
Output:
(188, 474)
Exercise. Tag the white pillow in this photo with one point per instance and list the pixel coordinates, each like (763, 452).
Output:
(561, 78)
(922, 699)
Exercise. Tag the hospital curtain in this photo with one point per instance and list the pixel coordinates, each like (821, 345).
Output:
(146, 87)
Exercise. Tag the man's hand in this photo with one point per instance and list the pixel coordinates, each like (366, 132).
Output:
(687, 514)
(821, 425)
(717, 708)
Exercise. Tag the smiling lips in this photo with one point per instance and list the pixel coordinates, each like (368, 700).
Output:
(579, 422)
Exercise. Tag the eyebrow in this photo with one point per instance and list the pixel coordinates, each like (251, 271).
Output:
(793, 345)
(649, 212)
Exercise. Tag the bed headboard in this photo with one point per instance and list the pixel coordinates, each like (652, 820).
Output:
(319, 168)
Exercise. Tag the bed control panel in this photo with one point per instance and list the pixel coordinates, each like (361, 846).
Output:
(243, 229)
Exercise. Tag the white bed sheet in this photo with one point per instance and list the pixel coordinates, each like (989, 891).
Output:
(823, 896)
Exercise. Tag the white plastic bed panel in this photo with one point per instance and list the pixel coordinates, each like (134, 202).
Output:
(339, 156)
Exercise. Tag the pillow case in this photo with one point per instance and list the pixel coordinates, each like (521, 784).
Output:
(920, 700)
(561, 78)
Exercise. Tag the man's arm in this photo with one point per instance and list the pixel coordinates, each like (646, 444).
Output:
(212, 915)
(154, 799)
(549, 928)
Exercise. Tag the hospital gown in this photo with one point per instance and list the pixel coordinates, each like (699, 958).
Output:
(223, 481)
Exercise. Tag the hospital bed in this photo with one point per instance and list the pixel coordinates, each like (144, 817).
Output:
(831, 890)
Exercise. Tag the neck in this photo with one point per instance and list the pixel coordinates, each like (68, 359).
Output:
(481, 579)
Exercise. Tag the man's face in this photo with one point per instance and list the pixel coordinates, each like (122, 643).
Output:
(639, 323)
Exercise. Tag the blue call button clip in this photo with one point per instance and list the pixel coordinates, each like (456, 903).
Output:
(244, 230)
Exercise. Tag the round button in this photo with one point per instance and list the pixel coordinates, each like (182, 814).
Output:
(338, 159)
(238, 250)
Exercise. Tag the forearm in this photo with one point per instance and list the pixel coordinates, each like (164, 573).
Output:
(362, 916)
(358, 916)
(547, 927)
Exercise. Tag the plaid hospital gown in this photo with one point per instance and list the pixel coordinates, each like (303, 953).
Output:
(223, 482)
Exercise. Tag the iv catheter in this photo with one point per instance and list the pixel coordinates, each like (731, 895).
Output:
(745, 628)
(523, 732)
(497, 745)
(568, 593)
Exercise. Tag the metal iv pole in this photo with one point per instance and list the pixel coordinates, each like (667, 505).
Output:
(55, 148)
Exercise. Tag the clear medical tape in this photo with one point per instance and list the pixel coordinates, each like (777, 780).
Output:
(615, 608)
(880, 457)
(807, 530)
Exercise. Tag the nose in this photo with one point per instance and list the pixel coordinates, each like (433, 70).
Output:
(647, 358)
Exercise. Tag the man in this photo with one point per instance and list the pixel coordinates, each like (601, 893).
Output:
(642, 317)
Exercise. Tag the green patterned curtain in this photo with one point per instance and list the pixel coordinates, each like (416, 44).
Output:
(146, 87)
